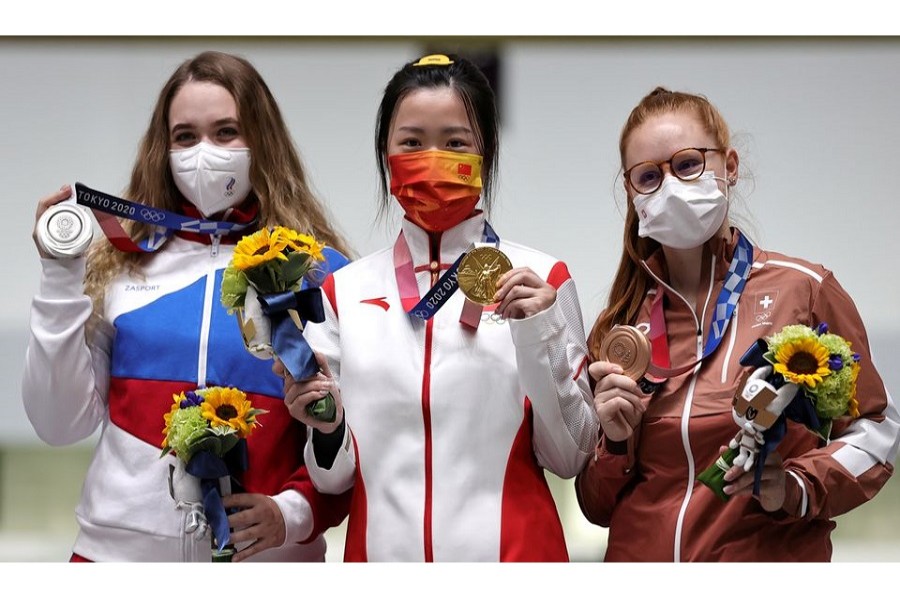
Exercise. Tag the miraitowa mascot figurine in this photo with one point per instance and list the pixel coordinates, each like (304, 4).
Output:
(789, 381)
(763, 403)
(756, 408)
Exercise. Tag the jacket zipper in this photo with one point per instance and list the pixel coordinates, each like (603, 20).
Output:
(206, 320)
(189, 544)
(428, 541)
(688, 401)
(686, 418)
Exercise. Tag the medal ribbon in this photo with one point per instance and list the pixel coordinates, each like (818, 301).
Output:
(738, 271)
(107, 207)
(425, 308)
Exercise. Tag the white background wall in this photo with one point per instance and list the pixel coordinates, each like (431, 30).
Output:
(814, 119)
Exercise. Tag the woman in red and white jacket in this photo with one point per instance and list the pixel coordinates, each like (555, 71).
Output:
(452, 413)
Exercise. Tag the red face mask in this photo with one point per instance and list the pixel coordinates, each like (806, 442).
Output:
(437, 189)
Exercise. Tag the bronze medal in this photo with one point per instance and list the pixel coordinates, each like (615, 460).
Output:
(628, 347)
(479, 271)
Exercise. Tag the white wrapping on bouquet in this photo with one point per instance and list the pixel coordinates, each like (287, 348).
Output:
(185, 490)
(255, 326)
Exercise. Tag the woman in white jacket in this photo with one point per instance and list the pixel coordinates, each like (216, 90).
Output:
(116, 334)
(454, 404)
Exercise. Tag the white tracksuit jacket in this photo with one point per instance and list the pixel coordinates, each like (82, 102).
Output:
(450, 429)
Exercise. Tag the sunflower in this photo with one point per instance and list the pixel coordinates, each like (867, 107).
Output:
(258, 248)
(228, 407)
(307, 244)
(802, 361)
(853, 408)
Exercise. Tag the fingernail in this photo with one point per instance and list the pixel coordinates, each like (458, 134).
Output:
(728, 489)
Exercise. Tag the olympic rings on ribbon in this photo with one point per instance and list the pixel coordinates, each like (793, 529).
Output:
(152, 215)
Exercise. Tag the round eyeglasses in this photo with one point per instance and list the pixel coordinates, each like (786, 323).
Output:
(687, 164)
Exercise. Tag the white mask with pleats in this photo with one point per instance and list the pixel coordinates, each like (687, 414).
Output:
(682, 214)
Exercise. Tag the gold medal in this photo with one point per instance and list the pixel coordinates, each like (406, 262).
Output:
(479, 271)
(628, 347)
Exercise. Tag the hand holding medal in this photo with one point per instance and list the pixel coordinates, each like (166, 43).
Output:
(624, 384)
(63, 229)
(629, 347)
(519, 292)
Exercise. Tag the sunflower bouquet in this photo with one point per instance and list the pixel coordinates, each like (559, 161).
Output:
(823, 365)
(803, 374)
(264, 286)
(205, 429)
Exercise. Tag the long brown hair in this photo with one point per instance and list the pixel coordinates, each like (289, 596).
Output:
(632, 282)
(276, 171)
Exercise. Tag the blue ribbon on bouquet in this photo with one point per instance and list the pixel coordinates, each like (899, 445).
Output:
(799, 409)
(208, 468)
(287, 339)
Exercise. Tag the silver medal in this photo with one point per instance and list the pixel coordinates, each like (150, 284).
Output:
(65, 230)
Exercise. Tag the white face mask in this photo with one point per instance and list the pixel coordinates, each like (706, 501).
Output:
(682, 214)
(211, 177)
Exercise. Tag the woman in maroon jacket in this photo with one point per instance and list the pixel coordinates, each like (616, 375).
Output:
(680, 250)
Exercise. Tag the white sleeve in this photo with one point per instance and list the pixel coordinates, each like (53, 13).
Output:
(339, 478)
(551, 352)
(298, 517)
(65, 382)
(325, 338)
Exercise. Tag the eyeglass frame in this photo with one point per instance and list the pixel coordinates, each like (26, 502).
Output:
(659, 165)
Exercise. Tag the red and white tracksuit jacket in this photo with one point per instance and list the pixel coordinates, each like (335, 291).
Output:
(449, 430)
(649, 497)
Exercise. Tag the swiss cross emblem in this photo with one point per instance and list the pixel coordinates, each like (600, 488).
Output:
(764, 301)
